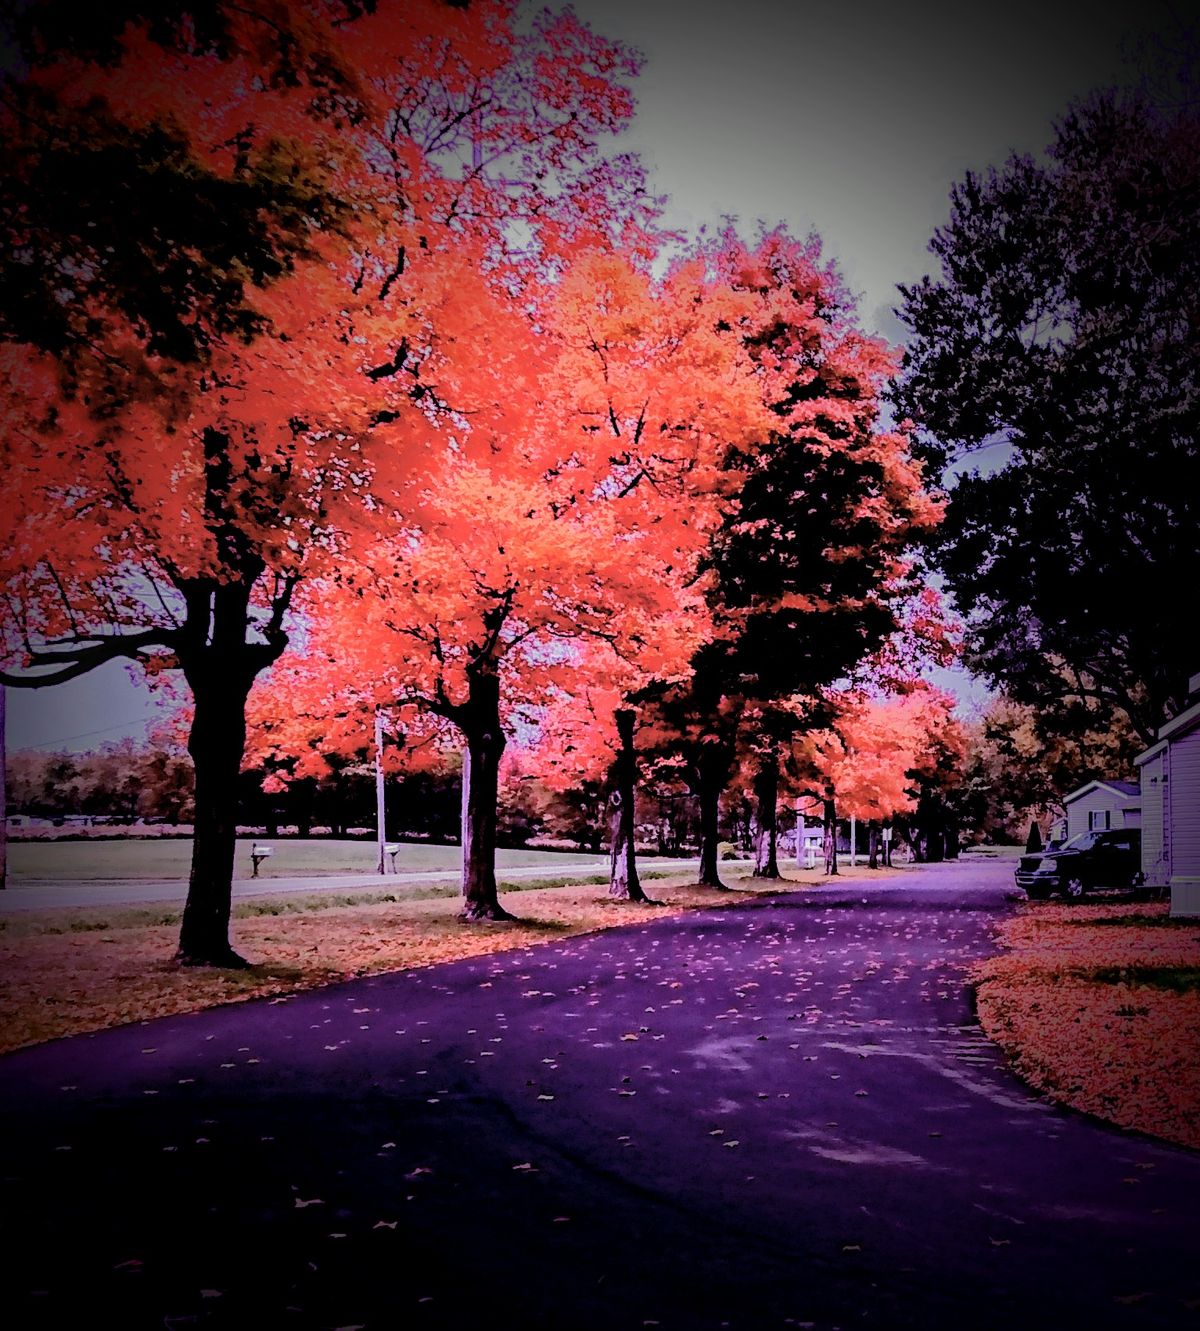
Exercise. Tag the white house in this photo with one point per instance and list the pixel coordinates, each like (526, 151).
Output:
(1101, 805)
(1170, 772)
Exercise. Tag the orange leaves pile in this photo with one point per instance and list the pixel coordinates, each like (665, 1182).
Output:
(1123, 976)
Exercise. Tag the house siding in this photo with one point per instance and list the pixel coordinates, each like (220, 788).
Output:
(1100, 800)
(1183, 792)
(1155, 864)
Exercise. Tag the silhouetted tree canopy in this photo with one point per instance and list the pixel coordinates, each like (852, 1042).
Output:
(1062, 328)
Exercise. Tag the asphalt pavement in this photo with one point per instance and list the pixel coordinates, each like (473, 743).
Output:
(776, 1114)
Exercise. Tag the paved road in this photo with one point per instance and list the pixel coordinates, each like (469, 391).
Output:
(775, 1115)
(130, 891)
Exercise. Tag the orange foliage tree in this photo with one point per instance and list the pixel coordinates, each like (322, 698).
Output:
(238, 244)
(554, 536)
(869, 761)
(806, 571)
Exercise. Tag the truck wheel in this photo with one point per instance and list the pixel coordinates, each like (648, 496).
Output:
(1075, 888)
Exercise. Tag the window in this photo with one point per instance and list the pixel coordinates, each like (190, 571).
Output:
(1099, 820)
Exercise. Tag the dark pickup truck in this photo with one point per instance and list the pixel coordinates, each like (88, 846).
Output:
(1028, 863)
(1087, 861)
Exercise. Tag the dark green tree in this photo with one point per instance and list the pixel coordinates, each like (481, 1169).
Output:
(803, 582)
(1060, 336)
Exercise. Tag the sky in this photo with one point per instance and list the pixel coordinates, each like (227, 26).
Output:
(849, 119)
(854, 119)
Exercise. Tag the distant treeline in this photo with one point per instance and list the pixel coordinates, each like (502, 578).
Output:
(1009, 776)
(155, 782)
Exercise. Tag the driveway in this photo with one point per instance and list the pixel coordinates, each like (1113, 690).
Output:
(778, 1114)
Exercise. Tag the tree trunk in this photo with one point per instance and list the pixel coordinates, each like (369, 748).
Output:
(623, 881)
(830, 830)
(953, 844)
(3, 794)
(909, 835)
(217, 742)
(746, 828)
(872, 844)
(220, 666)
(480, 722)
(708, 792)
(766, 795)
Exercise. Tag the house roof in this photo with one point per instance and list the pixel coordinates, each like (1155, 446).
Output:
(1174, 729)
(1185, 721)
(1125, 789)
(1152, 752)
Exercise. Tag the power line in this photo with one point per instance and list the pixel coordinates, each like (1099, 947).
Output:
(87, 734)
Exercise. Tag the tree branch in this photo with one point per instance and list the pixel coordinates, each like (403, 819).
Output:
(75, 658)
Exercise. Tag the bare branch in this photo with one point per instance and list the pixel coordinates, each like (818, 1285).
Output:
(74, 657)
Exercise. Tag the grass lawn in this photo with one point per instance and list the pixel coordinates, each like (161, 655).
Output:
(1098, 1005)
(119, 859)
(64, 972)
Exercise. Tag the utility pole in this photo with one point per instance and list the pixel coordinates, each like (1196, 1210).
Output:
(466, 794)
(379, 798)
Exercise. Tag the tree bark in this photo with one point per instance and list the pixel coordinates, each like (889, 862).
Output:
(480, 722)
(623, 881)
(3, 794)
(910, 835)
(953, 844)
(746, 826)
(220, 665)
(217, 743)
(708, 791)
(766, 795)
(830, 833)
(873, 844)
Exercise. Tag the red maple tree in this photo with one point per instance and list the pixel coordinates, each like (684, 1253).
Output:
(239, 335)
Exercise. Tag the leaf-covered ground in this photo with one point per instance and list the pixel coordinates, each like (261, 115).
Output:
(66, 972)
(1098, 1006)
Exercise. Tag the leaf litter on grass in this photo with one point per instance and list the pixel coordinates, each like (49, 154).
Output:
(1095, 1005)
